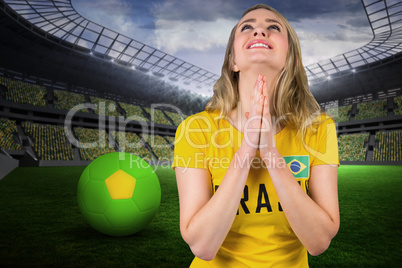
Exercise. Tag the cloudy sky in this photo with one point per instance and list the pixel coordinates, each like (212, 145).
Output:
(197, 30)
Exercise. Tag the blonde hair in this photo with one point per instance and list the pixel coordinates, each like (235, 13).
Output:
(293, 103)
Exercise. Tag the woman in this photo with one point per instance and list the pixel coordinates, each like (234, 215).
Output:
(257, 171)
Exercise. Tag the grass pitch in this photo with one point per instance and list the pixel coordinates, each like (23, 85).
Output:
(41, 225)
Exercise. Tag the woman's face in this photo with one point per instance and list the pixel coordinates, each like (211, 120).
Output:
(260, 38)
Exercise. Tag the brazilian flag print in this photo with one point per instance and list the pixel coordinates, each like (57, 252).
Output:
(298, 165)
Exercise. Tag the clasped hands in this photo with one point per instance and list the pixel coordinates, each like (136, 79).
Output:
(259, 131)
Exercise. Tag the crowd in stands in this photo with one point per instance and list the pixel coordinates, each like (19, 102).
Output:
(131, 143)
(105, 107)
(340, 114)
(371, 109)
(389, 146)
(170, 139)
(67, 100)
(159, 146)
(7, 129)
(49, 141)
(398, 102)
(157, 116)
(133, 111)
(176, 118)
(351, 147)
(21, 92)
(96, 140)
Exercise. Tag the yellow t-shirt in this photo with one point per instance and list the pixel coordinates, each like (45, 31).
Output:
(260, 235)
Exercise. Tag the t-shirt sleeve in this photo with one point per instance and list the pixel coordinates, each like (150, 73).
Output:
(190, 144)
(327, 144)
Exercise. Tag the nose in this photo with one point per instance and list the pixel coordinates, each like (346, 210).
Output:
(259, 31)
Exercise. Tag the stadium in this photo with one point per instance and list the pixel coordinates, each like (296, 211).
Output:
(67, 81)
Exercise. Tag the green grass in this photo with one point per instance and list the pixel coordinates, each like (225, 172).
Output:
(370, 233)
(41, 225)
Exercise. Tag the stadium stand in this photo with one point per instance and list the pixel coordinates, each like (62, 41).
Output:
(157, 116)
(104, 106)
(39, 98)
(21, 92)
(49, 141)
(389, 146)
(7, 129)
(176, 118)
(159, 146)
(351, 147)
(372, 109)
(135, 111)
(132, 143)
(96, 140)
(340, 114)
(170, 140)
(66, 100)
(398, 103)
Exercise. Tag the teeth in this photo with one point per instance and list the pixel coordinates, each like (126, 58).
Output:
(259, 45)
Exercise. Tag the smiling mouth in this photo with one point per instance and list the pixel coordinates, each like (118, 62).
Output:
(260, 45)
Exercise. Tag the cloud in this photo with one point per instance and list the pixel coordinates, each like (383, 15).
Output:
(197, 31)
(331, 38)
(193, 25)
(189, 10)
(130, 18)
(359, 22)
(175, 35)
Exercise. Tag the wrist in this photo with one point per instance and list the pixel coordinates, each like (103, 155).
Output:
(245, 155)
(272, 158)
(248, 148)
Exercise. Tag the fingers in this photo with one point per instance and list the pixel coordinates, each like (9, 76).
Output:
(255, 92)
(258, 89)
(266, 114)
(259, 102)
(265, 86)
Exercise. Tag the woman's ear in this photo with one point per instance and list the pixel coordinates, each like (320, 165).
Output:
(235, 68)
(233, 64)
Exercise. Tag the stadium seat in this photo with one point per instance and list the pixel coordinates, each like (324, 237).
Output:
(133, 111)
(67, 100)
(159, 146)
(131, 143)
(176, 118)
(97, 138)
(389, 146)
(340, 114)
(49, 141)
(157, 116)
(109, 106)
(398, 102)
(372, 109)
(21, 92)
(7, 128)
(351, 147)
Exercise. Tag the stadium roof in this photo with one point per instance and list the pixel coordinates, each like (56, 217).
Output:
(58, 18)
(385, 18)
(376, 64)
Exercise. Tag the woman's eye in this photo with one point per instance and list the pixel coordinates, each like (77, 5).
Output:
(275, 27)
(246, 27)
